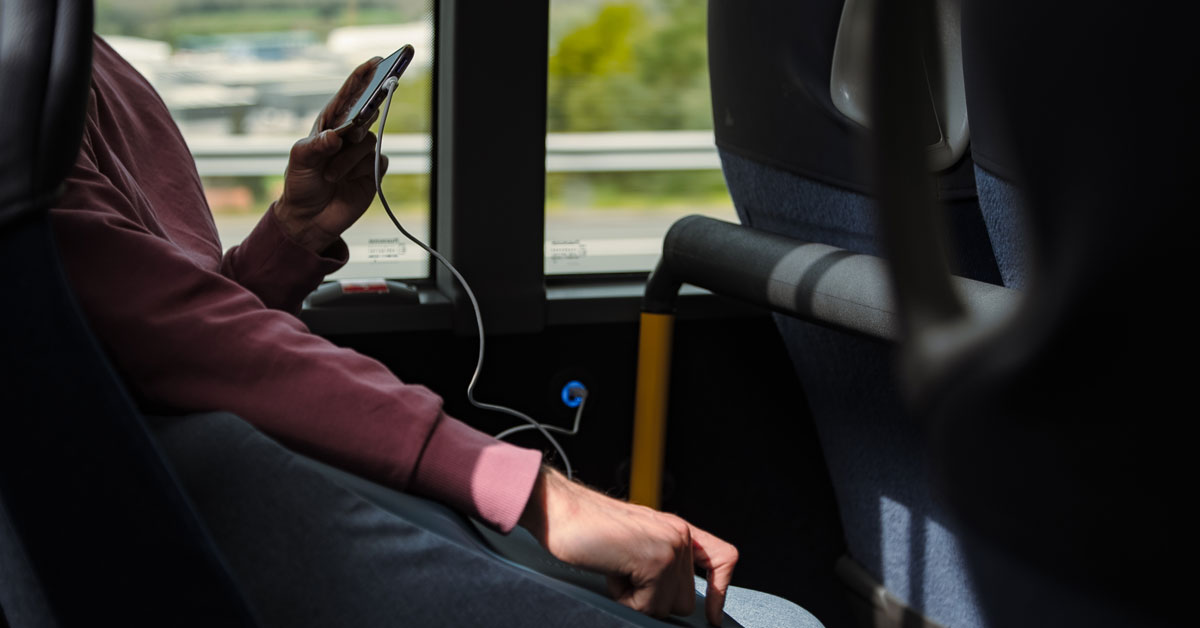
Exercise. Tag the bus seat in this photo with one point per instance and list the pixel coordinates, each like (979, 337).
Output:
(83, 489)
(1003, 213)
(896, 527)
(1058, 438)
(1053, 432)
(795, 166)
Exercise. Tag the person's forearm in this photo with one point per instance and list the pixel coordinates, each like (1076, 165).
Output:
(278, 270)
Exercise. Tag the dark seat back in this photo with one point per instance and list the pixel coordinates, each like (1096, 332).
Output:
(93, 528)
(1057, 431)
(799, 168)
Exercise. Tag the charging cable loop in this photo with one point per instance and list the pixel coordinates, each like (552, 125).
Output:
(544, 430)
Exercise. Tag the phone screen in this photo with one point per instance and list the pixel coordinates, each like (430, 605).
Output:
(368, 102)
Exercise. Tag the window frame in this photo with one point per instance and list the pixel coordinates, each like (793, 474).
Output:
(488, 159)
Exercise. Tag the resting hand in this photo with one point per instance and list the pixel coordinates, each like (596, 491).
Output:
(648, 556)
(330, 178)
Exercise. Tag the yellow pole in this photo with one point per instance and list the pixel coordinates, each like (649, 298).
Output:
(650, 409)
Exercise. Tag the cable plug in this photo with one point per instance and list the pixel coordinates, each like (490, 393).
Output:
(573, 394)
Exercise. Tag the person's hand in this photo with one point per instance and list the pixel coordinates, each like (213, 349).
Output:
(648, 556)
(330, 178)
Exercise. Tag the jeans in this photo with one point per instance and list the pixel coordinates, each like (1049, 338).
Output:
(314, 546)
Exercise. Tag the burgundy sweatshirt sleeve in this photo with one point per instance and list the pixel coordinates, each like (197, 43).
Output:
(189, 338)
(277, 270)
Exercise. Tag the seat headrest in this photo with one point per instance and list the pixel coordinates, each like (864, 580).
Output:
(45, 76)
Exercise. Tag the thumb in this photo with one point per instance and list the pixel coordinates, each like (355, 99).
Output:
(313, 151)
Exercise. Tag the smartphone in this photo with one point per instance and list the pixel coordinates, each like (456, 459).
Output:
(363, 110)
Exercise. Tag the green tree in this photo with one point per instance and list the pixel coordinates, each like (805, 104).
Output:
(592, 73)
(632, 66)
(673, 65)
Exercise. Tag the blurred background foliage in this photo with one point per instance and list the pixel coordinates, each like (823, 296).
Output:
(169, 20)
(613, 66)
(623, 66)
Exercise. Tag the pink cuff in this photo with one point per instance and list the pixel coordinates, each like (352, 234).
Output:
(476, 474)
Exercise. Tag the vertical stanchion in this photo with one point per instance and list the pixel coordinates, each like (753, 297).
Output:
(650, 409)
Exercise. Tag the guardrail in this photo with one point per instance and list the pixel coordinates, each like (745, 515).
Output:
(236, 155)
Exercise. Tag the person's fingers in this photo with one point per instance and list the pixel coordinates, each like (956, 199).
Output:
(366, 127)
(718, 558)
(651, 585)
(354, 84)
(361, 75)
(338, 106)
(314, 150)
(617, 586)
(640, 598)
(366, 168)
(662, 593)
(662, 598)
(684, 593)
(714, 595)
(363, 72)
(349, 157)
(672, 567)
(355, 132)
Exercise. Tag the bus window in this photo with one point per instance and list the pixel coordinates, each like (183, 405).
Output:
(244, 82)
(629, 143)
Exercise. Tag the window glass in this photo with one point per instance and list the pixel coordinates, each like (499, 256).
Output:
(629, 145)
(245, 79)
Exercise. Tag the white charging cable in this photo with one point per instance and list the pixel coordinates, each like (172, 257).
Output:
(390, 86)
(580, 393)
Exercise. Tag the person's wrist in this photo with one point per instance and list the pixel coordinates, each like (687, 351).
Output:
(552, 505)
(533, 518)
(301, 232)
